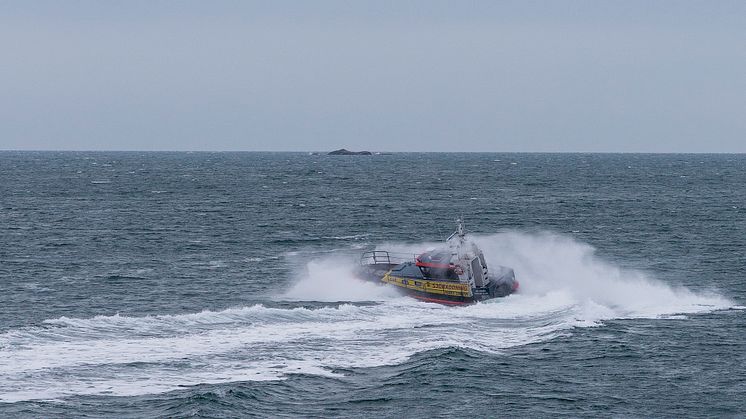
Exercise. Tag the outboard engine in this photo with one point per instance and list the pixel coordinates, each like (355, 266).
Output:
(503, 282)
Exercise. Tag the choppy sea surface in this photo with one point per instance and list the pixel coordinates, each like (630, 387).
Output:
(221, 284)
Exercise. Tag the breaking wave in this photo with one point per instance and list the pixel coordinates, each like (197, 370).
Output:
(333, 279)
(563, 285)
(549, 263)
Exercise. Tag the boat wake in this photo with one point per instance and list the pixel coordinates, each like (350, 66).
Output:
(332, 279)
(563, 286)
(549, 263)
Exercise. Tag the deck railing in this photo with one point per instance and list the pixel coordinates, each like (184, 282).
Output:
(375, 257)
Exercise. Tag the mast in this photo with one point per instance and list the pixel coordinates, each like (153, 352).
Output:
(460, 233)
(460, 229)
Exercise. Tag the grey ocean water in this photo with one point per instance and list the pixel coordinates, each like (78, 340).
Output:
(219, 284)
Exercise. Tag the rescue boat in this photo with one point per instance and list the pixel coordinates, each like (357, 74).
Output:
(453, 274)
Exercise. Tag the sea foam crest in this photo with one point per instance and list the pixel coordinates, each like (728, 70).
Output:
(563, 285)
(547, 262)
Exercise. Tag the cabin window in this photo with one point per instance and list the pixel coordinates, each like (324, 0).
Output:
(481, 259)
(476, 271)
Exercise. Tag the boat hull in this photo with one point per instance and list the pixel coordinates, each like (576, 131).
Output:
(442, 292)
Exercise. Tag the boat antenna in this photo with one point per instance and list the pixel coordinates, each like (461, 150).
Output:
(461, 231)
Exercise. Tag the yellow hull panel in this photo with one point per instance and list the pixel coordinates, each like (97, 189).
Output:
(430, 287)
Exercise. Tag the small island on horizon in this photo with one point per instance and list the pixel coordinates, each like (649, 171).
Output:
(345, 152)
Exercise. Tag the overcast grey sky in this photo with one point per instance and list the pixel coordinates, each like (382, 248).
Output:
(648, 76)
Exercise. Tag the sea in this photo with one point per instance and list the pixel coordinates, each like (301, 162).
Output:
(179, 284)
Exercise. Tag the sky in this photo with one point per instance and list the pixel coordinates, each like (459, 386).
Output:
(502, 76)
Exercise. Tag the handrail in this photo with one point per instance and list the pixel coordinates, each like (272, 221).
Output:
(375, 257)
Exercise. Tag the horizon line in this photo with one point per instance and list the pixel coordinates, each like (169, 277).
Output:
(378, 152)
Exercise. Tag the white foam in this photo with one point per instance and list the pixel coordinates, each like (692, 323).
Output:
(353, 237)
(549, 262)
(96, 356)
(333, 279)
(563, 285)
